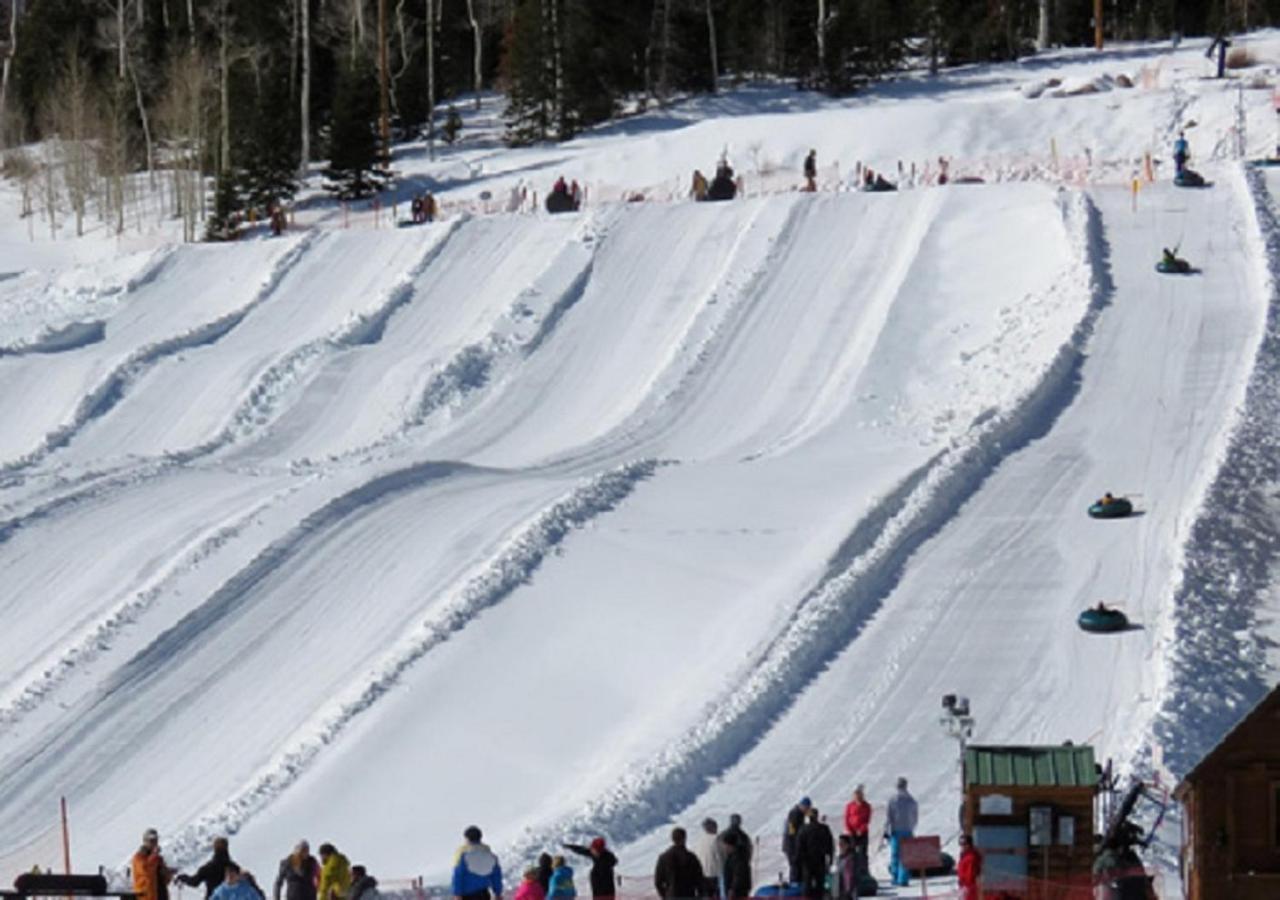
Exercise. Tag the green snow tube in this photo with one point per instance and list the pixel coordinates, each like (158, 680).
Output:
(1116, 509)
(1102, 621)
(1177, 267)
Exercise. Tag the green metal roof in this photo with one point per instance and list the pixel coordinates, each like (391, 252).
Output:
(1055, 766)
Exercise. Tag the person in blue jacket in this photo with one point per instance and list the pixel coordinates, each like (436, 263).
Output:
(236, 886)
(561, 886)
(1181, 153)
(476, 873)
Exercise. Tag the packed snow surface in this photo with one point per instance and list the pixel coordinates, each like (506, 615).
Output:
(602, 522)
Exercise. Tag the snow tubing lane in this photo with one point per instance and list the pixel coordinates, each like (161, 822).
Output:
(1102, 621)
(1117, 509)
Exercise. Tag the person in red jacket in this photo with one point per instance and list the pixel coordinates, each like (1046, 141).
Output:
(969, 868)
(857, 824)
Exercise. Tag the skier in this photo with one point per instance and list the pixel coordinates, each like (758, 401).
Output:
(857, 824)
(237, 886)
(1181, 153)
(678, 874)
(212, 873)
(335, 874)
(815, 849)
(711, 855)
(151, 876)
(299, 874)
(900, 824)
(475, 869)
(737, 861)
(969, 869)
(530, 888)
(811, 171)
(561, 881)
(603, 863)
(795, 821)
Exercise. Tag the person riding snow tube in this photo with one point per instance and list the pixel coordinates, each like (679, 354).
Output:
(1170, 264)
(1190, 179)
(1109, 507)
(723, 186)
(1102, 619)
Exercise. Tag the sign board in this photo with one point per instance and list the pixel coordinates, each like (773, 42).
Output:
(995, 805)
(920, 853)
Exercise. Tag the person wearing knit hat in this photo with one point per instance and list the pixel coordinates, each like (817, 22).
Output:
(603, 864)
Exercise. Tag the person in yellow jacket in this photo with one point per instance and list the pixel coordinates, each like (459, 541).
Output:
(151, 876)
(335, 874)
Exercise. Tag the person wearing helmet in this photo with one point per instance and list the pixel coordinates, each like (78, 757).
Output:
(603, 864)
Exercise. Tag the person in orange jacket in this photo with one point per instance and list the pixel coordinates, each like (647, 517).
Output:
(969, 868)
(151, 876)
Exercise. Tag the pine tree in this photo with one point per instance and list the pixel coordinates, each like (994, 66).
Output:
(354, 167)
(224, 223)
(266, 154)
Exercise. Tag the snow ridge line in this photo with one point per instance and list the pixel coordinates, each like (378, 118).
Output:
(512, 566)
(363, 329)
(470, 368)
(1218, 668)
(97, 638)
(111, 390)
(832, 614)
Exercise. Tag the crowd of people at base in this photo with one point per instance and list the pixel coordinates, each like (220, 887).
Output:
(300, 876)
(717, 865)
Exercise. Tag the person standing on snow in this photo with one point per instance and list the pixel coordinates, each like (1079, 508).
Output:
(900, 823)
(795, 821)
(151, 876)
(1181, 153)
(969, 869)
(857, 824)
(363, 885)
(711, 854)
(846, 869)
(237, 886)
(299, 874)
(678, 874)
(815, 849)
(476, 872)
(335, 874)
(737, 860)
(544, 871)
(212, 873)
(603, 863)
(561, 881)
(530, 888)
(811, 171)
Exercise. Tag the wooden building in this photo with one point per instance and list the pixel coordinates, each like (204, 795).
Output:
(1231, 806)
(1031, 812)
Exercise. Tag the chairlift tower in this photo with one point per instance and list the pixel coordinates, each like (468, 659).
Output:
(957, 723)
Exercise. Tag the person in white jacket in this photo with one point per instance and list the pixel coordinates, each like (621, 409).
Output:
(900, 824)
(711, 854)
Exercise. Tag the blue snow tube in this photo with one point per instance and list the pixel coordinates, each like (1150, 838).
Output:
(1189, 179)
(1102, 621)
(779, 890)
(1177, 267)
(1116, 509)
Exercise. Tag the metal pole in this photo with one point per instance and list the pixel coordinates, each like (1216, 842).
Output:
(66, 840)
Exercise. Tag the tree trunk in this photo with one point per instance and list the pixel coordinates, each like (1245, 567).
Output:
(431, 78)
(384, 107)
(224, 91)
(1042, 32)
(293, 49)
(8, 66)
(191, 22)
(357, 27)
(715, 62)
(822, 37)
(146, 126)
(476, 35)
(664, 53)
(120, 40)
(304, 155)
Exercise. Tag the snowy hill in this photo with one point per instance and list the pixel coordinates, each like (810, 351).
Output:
(599, 522)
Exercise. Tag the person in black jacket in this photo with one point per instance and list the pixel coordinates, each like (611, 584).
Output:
(678, 874)
(737, 861)
(795, 821)
(545, 868)
(212, 873)
(299, 874)
(815, 849)
(603, 862)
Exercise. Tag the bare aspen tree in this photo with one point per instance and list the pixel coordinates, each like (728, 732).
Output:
(406, 55)
(431, 78)
(19, 166)
(715, 62)
(304, 154)
(69, 114)
(664, 84)
(1042, 32)
(293, 47)
(384, 105)
(7, 66)
(479, 47)
(821, 32)
(49, 184)
(357, 27)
